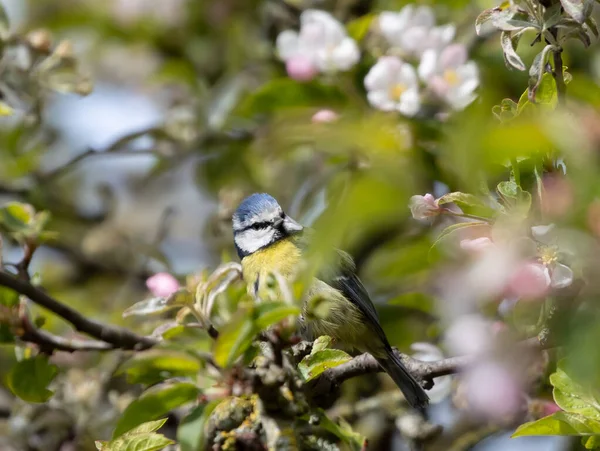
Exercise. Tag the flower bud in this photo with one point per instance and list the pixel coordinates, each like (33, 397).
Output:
(40, 40)
(162, 284)
(423, 207)
(300, 68)
(324, 116)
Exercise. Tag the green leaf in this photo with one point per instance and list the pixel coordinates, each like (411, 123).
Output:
(269, 313)
(509, 44)
(29, 378)
(286, 93)
(550, 425)
(467, 201)
(510, 191)
(358, 28)
(141, 438)
(536, 71)
(192, 429)
(579, 10)
(8, 297)
(153, 306)
(343, 430)
(321, 343)
(572, 397)
(234, 338)
(150, 367)
(4, 23)
(506, 111)
(314, 364)
(155, 402)
(16, 216)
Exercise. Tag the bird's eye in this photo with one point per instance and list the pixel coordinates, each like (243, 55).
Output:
(260, 225)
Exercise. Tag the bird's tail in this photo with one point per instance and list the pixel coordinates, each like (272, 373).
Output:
(412, 390)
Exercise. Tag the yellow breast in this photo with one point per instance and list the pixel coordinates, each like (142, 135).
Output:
(283, 257)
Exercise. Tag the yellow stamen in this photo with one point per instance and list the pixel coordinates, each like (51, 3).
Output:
(396, 91)
(451, 77)
(548, 255)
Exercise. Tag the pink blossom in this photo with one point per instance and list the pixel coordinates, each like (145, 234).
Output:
(493, 391)
(558, 196)
(477, 245)
(470, 334)
(300, 68)
(530, 280)
(162, 284)
(325, 116)
(423, 207)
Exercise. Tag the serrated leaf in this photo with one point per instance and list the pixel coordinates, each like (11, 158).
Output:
(507, 110)
(150, 367)
(157, 305)
(314, 364)
(536, 71)
(147, 427)
(155, 402)
(579, 10)
(269, 313)
(192, 429)
(29, 379)
(509, 45)
(572, 397)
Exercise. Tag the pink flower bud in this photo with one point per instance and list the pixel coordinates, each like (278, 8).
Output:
(162, 284)
(529, 281)
(300, 68)
(324, 116)
(477, 245)
(423, 207)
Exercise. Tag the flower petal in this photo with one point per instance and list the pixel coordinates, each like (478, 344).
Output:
(380, 99)
(428, 65)
(410, 103)
(287, 44)
(562, 276)
(345, 55)
(382, 74)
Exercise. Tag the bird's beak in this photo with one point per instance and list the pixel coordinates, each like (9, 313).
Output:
(291, 226)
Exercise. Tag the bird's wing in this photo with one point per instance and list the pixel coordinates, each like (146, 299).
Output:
(342, 276)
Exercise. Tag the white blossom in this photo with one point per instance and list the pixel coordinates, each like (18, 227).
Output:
(321, 42)
(449, 75)
(423, 207)
(392, 85)
(412, 30)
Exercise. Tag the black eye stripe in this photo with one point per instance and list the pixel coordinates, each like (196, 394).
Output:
(257, 226)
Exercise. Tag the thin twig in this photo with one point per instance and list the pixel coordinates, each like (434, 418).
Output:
(116, 336)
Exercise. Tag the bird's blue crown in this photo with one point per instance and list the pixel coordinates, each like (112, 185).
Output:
(255, 204)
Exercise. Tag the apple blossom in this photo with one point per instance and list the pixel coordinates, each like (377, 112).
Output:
(392, 85)
(412, 30)
(449, 75)
(321, 45)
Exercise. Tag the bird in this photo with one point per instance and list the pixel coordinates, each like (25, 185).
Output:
(269, 241)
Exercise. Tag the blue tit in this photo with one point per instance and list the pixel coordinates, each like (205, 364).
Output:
(268, 241)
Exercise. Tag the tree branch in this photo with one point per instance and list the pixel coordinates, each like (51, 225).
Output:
(424, 371)
(117, 337)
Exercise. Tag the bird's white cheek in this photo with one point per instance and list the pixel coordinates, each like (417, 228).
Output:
(253, 240)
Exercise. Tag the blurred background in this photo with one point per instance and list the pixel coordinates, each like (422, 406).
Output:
(172, 111)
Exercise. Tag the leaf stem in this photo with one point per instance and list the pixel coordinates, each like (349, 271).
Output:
(516, 171)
